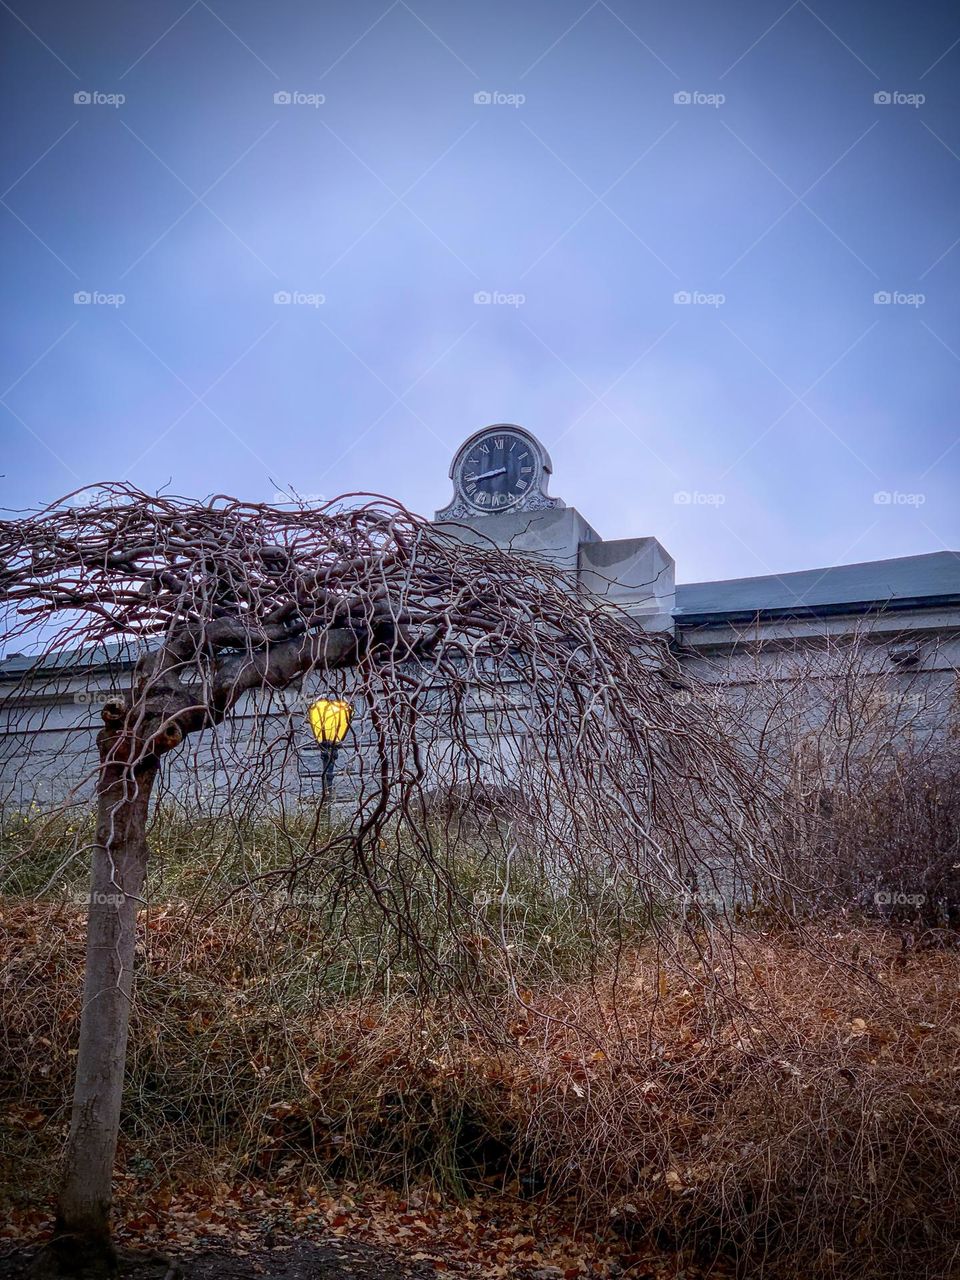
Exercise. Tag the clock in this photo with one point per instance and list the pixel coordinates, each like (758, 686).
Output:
(501, 468)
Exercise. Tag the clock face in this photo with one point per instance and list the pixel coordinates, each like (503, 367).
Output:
(499, 469)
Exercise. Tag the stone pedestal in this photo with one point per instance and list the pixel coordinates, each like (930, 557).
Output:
(554, 536)
(634, 574)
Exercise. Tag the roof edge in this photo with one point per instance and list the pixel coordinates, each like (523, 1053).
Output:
(854, 608)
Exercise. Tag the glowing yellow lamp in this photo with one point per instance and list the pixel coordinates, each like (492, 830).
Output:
(330, 720)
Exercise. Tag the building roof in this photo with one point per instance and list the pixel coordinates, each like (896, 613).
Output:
(908, 581)
(112, 655)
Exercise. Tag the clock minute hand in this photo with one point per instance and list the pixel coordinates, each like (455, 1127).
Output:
(487, 475)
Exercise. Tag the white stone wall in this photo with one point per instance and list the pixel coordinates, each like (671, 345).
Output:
(266, 753)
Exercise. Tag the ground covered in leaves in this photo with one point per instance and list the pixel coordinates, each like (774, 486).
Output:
(249, 1233)
(625, 1124)
(303, 1261)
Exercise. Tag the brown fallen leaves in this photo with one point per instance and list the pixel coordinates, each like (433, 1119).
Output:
(484, 1236)
(818, 1119)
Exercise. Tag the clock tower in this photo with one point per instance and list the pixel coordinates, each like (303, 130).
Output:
(500, 476)
(498, 469)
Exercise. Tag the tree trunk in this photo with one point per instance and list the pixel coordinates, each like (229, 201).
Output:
(82, 1244)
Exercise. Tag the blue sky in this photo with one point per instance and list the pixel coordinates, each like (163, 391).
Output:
(781, 197)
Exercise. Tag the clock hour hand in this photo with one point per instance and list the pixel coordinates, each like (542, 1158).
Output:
(487, 475)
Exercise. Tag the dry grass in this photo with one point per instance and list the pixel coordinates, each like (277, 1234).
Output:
(813, 1133)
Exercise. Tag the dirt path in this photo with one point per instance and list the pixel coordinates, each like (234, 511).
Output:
(331, 1260)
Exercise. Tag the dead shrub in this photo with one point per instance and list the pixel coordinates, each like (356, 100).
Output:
(809, 1131)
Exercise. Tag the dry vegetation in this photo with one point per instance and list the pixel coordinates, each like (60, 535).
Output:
(814, 1131)
(476, 672)
(677, 964)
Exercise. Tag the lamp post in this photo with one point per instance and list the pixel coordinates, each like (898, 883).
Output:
(329, 720)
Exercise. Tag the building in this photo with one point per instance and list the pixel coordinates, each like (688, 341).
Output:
(748, 631)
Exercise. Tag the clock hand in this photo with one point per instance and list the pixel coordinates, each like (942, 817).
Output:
(487, 475)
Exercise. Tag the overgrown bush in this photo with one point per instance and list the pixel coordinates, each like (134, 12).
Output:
(864, 762)
(812, 1133)
(786, 1098)
(893, 845)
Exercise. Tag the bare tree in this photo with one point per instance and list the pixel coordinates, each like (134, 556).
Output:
(858, 739)
(493, 690)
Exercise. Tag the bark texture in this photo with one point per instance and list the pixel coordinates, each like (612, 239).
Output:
(163, 709)
(82, 1245)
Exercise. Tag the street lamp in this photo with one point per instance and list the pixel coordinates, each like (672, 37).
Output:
(329, 720)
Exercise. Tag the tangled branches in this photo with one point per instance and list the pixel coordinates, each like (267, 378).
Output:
(486, 683)
(510, 726)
